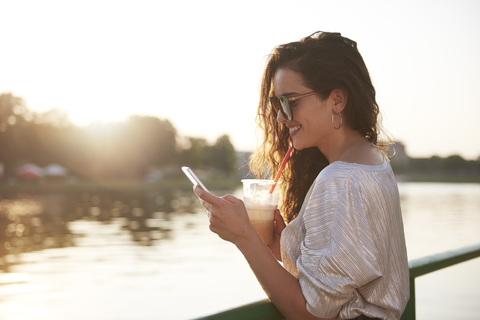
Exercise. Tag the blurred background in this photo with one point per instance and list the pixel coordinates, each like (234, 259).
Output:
(102, 102)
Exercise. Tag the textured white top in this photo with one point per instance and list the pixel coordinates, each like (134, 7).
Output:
(347, 245)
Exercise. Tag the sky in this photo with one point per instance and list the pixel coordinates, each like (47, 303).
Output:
(199, 63)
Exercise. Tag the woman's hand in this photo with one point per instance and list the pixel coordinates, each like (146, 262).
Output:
(228, 216)
(229, 219)
(279, 226)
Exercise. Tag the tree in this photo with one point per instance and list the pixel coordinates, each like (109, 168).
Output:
(222, 155)
(120, 150)
(12, 121)
(454, 163)
(150, 141)
(11, 110)
(194, 152)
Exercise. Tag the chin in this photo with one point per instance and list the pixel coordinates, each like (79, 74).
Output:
(297, 146)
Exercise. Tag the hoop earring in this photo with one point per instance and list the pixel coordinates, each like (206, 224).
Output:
(333, 120)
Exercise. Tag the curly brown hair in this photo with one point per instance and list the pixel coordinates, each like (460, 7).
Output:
(326, 61)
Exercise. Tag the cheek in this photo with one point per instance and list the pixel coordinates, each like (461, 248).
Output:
(315, 115)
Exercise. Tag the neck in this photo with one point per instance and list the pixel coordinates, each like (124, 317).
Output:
(350, 146)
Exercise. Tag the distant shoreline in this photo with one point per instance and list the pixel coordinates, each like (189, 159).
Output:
(216, 183)
(179, 182)
(445, 178)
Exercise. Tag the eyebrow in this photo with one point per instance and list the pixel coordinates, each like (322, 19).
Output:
(287, 94)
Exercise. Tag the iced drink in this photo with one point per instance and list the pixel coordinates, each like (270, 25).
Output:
(261, 205)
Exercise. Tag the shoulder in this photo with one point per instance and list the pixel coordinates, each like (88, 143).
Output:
(343, 182)
(346, 170)
(345, 175)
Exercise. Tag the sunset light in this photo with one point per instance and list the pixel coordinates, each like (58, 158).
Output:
(198, 63)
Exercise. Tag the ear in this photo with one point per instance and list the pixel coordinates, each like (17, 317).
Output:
(339, 97)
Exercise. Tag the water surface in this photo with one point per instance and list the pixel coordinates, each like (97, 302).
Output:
(152, 256)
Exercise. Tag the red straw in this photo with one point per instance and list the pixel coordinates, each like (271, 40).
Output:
(281, 169)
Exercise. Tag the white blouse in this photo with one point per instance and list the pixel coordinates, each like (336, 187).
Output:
(347, 244)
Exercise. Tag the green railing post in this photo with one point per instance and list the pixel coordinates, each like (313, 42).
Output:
(409, 313)
(426, 265)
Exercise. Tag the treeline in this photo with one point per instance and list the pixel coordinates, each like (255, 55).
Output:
(120, 150)
(132, 149)
(453, 168)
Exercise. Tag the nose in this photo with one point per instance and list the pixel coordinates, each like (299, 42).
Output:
(281, 118)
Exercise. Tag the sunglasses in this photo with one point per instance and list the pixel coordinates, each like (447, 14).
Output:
(282, 104)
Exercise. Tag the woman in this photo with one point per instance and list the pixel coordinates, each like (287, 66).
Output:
(343, 251)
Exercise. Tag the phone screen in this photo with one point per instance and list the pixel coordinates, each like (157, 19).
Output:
(193, 177)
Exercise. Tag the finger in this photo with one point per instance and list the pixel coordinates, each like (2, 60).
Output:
(207, 196)
(231, 199)
(279, 222)
(208, 206)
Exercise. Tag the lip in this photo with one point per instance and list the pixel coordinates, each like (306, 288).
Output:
(293, 129)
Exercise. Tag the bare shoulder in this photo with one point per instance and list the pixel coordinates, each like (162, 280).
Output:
(373, 157)
(366, 154)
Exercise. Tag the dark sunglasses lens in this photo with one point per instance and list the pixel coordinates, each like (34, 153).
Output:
(286, 111)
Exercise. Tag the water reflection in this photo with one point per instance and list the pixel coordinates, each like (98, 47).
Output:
(439, 217)
(175, 260)
(31, 222)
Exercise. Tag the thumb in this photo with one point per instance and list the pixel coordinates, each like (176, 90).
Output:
(279, 223)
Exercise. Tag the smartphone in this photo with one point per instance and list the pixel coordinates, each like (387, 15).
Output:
(193, 177)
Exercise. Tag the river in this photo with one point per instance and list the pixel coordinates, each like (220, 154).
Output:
(152, 256)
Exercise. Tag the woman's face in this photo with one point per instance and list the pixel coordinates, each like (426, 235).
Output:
(311, 125)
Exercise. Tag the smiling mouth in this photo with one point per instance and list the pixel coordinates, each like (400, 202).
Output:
(293, 130)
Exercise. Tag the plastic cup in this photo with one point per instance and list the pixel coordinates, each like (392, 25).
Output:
(261, 204)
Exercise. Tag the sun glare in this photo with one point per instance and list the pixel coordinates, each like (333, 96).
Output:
(83, 118)
(175, 64)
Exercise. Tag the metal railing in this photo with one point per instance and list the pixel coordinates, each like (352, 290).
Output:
(422, 266)
(265, 310)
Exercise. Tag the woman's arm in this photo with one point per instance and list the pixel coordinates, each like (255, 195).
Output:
(229, 219)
